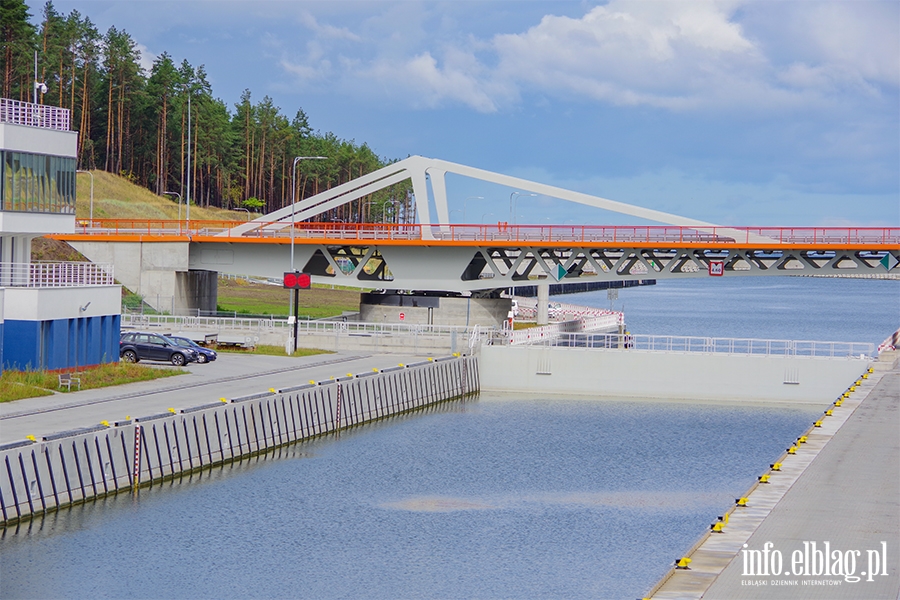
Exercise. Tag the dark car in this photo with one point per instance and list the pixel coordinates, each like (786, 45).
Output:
(204, 355)
(136, 346)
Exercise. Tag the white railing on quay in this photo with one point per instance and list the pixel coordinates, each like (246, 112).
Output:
(553, 331)
(303, 327)
(708, 345)
(55, 274)
(29, 114)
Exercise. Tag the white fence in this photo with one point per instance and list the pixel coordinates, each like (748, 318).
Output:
(709, 345)
(34, 115)
(55, 274)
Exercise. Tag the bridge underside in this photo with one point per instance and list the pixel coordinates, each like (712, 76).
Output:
(485, 268)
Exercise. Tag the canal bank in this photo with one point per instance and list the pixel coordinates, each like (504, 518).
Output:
(822, 523)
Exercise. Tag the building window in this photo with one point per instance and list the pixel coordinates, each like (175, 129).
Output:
(37, 183)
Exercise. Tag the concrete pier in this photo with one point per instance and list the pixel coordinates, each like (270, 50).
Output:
(830, 515)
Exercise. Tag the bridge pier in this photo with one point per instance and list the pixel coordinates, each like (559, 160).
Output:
(543, 303)
(159, 272)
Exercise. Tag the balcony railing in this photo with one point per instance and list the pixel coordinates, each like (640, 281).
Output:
(54, 274)
(34, 115)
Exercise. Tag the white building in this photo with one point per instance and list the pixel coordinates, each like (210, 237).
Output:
(52, 315)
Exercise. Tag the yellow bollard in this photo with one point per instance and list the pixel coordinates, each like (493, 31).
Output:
(852, 388)
(829, 412)
(30, 437)
(312, 382)
(682, 563)
(764, 478)
(865, 376)
(871, 370)
(818, 423)
(838, 402)
(172, 410)
(272, 390)
(225, 400)
(741, 501)
(792, 450)
(776, 466)
(717, 527)
(104, 423)
(801, 439)
(858, 382)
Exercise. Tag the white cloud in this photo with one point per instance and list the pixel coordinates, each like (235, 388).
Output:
(673, 55)
(147, 58)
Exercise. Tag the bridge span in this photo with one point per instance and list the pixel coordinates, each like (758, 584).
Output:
(482, 258)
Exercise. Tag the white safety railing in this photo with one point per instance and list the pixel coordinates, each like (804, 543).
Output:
(303, 327)
(709, 345)
(55, 274)
(34, 115)
(553, 331)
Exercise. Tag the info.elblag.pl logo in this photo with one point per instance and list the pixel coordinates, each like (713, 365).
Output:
(814, 560)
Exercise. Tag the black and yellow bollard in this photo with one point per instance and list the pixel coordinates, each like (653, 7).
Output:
(682, 563)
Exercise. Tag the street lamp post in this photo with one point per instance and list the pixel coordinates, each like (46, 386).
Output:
(484, 215)
(466, 202)
(179, 204)
(297, 159)
(513, 198)
(394, 204)
(92, 192)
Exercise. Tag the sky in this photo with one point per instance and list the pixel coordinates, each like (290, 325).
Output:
(756, 113)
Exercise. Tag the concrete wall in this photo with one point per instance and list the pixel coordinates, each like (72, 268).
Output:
(670, 375)
(467, 311)
(157, 271)
(38, 140)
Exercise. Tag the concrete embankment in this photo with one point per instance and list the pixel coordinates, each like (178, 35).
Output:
(822, 522)
(632, 373)
(74, 466)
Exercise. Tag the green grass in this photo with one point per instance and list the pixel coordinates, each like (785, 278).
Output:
(248, 298)
(272, 350)
(16, 385)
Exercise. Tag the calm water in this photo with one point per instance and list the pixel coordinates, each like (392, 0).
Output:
(492, 498)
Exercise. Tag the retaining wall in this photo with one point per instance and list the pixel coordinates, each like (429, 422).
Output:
(631, 373)
(75, 466)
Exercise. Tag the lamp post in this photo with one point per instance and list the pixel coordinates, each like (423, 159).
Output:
(484, 215)
(467, 201)
(179, 204)
(245, 210)
(92, 193)
(394, 204)
(297, 159)
(512, 199)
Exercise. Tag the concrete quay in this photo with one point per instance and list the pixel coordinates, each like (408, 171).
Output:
(841, 488)
(230, 376)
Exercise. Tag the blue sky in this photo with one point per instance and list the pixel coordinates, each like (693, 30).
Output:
(738, 113)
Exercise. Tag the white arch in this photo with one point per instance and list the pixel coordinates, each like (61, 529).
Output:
(416, 168)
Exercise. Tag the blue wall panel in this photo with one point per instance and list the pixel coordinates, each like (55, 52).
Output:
(60, 343)
(21, 345)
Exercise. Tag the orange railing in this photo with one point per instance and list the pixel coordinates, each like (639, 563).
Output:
(502, 233)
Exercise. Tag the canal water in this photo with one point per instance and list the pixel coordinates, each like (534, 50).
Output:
(493, 497)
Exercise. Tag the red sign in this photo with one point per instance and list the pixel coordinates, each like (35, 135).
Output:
(402, 316)
(297, 281)
(716, 268)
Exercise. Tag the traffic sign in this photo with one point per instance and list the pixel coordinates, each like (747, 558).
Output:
(297, 281)
(716, 268)
(889, 261)
(402, 316)
(559, 272)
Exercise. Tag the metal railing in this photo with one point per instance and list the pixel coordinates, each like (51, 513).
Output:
(303, 327)
(55, 274)
(29, 114)
(707, 345)
(818, 237)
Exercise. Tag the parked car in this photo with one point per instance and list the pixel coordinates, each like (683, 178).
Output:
(204, 355)
(137, 346)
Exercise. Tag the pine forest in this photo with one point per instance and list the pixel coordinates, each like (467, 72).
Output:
(135, 124)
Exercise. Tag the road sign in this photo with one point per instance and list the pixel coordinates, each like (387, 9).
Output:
(297, 281)
(889, 261)
(559, 272)
(716, 268)
(402, 316)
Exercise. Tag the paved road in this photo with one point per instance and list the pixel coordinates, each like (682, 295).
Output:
(232, 375)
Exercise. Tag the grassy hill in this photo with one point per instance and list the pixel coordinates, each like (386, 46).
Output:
(117, 198)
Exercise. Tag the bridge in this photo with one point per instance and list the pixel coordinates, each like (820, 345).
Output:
(441, 256)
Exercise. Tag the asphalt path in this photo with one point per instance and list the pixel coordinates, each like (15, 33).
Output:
(231, 376)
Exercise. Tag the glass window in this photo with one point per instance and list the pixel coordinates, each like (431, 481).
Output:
(37, 183)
